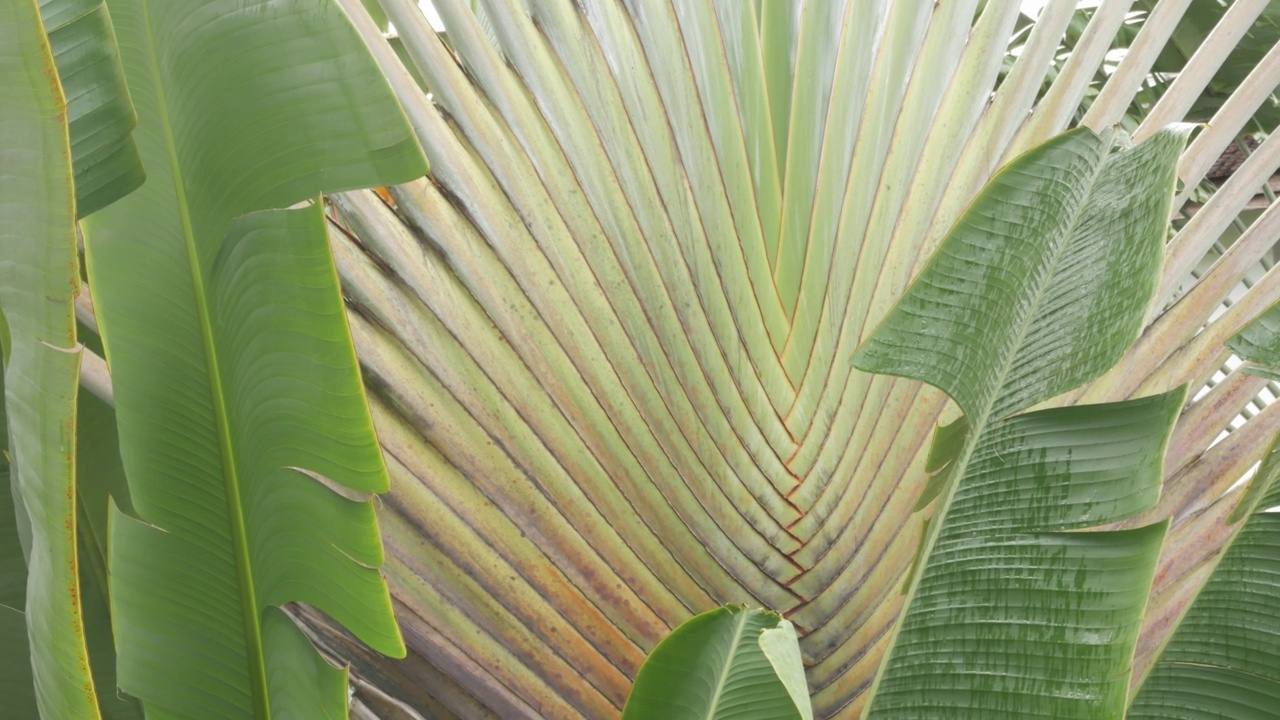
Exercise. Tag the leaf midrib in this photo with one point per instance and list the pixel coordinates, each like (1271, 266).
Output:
(231, 480)
(723, 680)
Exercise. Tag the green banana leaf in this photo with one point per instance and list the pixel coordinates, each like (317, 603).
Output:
(1048, 618)
(730, 663)
(1042, 285)
(100, 115)
(1223, 659)
(243, 429)
(39, 276)
(106, 166)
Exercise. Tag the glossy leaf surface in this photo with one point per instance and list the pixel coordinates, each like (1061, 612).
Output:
(727, 664)
(39, 276)
(100, 114)
(237, 393)
(1041, 285)
(1047, 618)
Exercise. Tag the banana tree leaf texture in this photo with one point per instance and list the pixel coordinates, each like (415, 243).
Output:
(243, 430)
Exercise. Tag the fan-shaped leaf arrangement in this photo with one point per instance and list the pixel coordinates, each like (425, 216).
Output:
(611, 343)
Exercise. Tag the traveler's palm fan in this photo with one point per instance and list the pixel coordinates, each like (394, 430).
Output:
(611, 338)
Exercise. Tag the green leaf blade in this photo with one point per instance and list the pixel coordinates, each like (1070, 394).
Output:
(714, 667)
(1000, 323)
(1222, 661)
(1042, 285)
(1014, 615)
(156, 589)
(242, 422)
(314, 691)
(297, 354)
(100, 113)
(1027, 648)
(1203, 692)
(1069, 468)
(38, 281)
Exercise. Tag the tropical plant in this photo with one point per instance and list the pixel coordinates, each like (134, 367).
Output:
(238, 419)
(609, 344)
(622, 394)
